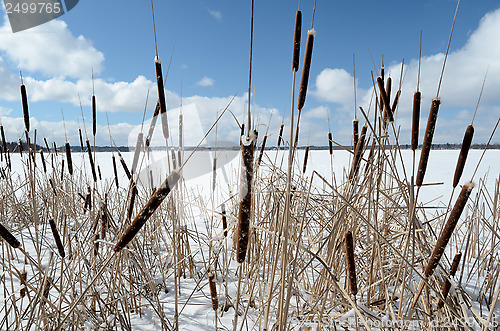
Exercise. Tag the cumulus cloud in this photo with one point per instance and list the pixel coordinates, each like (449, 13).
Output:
(205, 82)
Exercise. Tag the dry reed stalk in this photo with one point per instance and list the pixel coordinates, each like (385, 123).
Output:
(426, 145)
(224, 220)
(24, 289)
(213, 291)
(447, 284)
(114, 170)
(385, 99)
(243, 230)
(356, 162)
(130, 209)
(464, 151)
(94, 116)
(81, 139)
(57, 238)
(124, 166)
(68, 158)
(91, 160)
(351, 266)
(306, 66)
(161, 98)
(46, 288)
(262, 148)
(445, 236)
(8, 237)
(355, 132)
(416, 119)
(26, 113)
(153, 124)
(44, 165)
(296, 42)
(306, 156)
(330, 143)
(280, 136)
(154, 202)
(51, 182)
(137, 151)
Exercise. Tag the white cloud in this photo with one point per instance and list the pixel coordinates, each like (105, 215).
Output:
(205, 82)
(215, 13)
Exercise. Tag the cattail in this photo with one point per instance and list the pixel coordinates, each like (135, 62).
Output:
(161, 98)
(91, 160)
(358, 152)
(153, 124)
(242, 129)
(395, 102)
(124, 165)
(351, 267)
(46, 288)
(88, 200)
(94, 116)
(26, 113)
(416, 119)
(114, 170)
(247, 150)
(55, 147)
(9, 164)
(104, 220)
(43, 162)
(370, 156)
(57, 238)
(137, 151)
(214, 173)
(8, 237)
(81, 140)
(355, 132)
(447, 284)
(296, 41)
(224, 220)
(181, 132)
(426, 146)
(262, 148)
(445, 236)
(179, 158)
(24, 278)
(68, 158)
(213, 291)
(174, 161)
(464, 151)
(130, 209)
(4, 141)
(306, 155)
(306, 66)
(21, 148)
(46, 144)
(99, 172)
(154, 202)
(280, 137)
(385, 99)
(330, 143)
(51, 182)
(62, 170)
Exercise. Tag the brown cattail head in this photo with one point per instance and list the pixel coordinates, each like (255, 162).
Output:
(153, 124)
(21, 148)
(24, 277)
(280, 137)
(137, 151)
(385, 99)
(464, 151)
(351, 266)
(224, 220)
(306, 156)
(358, 152)
(306, 66)
(94, 116)
(262, 148)
(330, 143)
(242, 233)
(88, 200)
(242, 129)
(96, 244)
(104, 220)
(296, 41)
(43, 162)
(62, 170)
(55, 147)
(395, 103)
(114, 170)
(416, 119)
(161, 98)
(124, 165)
(99, 172)
(68, 158)
(174, 159)
(445, 236)
(355, 132)
(4, 141)
(51, 182)
(213, 291)
(426, 146)
(91, 160)
(57, 238)
(8, 237)
(132, 200)
(148, 210)
(81, 140)
(26, 113)
(447, 284)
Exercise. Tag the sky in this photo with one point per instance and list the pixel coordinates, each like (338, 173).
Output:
(207, 46)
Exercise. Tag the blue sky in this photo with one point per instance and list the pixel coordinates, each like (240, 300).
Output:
(209, 45)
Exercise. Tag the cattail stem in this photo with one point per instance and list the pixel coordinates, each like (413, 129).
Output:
(306, 66)
(351, 266)
(416, 119)
(296, 41)
(213, 291)
(8, 237)
(91, 160)
(306, 155)
(447, 284)
(262, 148)
(154, 202)
(68, 158)
(57, 238)
(242, 234)
(464, 151)
(426, 146)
